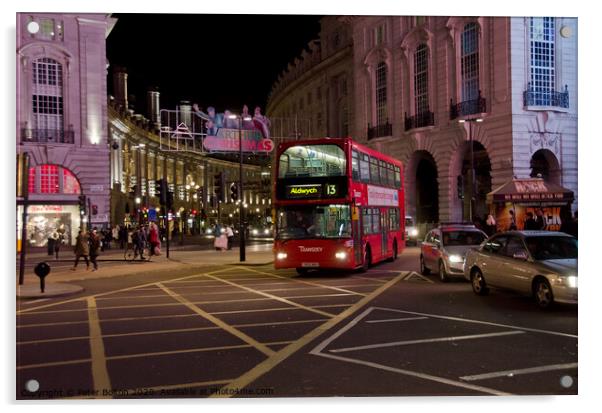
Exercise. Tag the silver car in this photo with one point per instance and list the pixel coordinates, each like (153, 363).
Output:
(538, 263)
(444, 248)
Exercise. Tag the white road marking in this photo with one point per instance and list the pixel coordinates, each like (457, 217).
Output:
(415, 274)
(317, 351)
(510, 373)
(37, 301)
(428, 340)
(415, 374)
(468, 320)
(390, 320)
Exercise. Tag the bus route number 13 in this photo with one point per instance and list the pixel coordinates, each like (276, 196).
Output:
(331, 190)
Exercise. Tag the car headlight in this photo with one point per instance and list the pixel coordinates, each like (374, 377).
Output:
(571, 281)
(414, 232)
(455, 258)
(281, 256)
(266, 231)
(254, 232)
(209, 231)
(341, 255)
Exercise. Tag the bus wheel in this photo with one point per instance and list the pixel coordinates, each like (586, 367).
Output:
(301, 271)
(367, 260)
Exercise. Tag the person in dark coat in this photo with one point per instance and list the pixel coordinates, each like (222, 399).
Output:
(95, 247)
(540, 220)
(82, 249)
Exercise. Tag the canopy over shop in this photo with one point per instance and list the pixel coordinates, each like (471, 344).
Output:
(528, 195)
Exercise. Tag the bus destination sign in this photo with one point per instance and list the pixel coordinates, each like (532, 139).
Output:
(313, 191)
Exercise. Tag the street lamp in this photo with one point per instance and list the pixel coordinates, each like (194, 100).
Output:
(241, 229)
(473, 180)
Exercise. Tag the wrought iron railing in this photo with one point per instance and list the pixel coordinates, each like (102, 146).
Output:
(419, 120)
(468, 107)
(533, 97)
(384, 129)
(47, 135)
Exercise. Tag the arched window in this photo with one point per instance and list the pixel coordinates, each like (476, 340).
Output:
(421, 96)
(470, 62)
(47, 97)
(52, 179)
(381, 94)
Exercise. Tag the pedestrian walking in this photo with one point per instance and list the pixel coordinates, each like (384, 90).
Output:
(230, 235)
(139, 240)
(115, 233)
(490, 225)
(95, 248)
(124, 237)
(82, 249)
(153, 239)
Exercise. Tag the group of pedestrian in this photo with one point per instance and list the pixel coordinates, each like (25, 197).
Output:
(223, 240)
(143, 237)
(534, 222)
(87, 245)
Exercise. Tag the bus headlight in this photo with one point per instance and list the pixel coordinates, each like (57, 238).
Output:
(341, 255)
(455, 258)
(281, 256)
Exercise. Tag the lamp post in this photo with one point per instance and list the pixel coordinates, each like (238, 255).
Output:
(241, 219)
(473, 179)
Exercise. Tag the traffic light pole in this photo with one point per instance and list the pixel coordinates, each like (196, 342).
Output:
(241, 222)
(25, 192)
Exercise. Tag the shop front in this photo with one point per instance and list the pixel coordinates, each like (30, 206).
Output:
(46, 219)
(533, 195)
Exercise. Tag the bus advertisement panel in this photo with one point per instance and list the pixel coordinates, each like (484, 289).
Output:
(338, 205)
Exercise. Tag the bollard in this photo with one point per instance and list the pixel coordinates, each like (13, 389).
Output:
(42, 270)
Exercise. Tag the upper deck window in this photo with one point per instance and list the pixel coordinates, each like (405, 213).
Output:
(312, 161)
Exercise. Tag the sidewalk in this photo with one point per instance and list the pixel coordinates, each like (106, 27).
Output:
(255, 255)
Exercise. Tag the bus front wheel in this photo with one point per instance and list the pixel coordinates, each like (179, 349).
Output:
(301, 271)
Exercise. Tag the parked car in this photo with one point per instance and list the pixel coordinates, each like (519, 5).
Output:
(444, 249)
(411, 231)
(542, 264)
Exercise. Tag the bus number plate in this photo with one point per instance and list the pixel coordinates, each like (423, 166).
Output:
(310, 264)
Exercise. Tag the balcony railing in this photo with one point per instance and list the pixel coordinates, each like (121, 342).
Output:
(533, 97)
(468, 107)
(385, 129)
(419, 120)
(47, 135)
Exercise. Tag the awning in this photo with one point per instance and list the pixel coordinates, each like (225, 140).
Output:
(530, 190)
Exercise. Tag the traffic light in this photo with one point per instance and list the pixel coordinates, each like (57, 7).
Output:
(169, 200)
(460, 186)
(234, 192)
(82, 202)
(161, 191)
(218, 185)
(94, 209)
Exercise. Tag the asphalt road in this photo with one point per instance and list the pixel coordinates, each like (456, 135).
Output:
(254, 331)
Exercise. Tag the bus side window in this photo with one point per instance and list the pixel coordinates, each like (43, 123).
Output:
(355, 165)
(365, 168)
(397, 177)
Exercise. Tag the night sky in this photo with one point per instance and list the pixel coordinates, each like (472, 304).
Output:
(216, 60)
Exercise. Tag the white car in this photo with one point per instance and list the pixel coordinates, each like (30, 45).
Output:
(411, 231)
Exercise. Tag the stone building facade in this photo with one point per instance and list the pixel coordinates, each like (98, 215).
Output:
(61, 120)
(417, 77)
(138, 160)
(313, 97)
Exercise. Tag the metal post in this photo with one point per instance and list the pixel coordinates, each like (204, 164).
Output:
(472, 172)
(25, 191)
(240, 186)
(89, 226)
(166, 221)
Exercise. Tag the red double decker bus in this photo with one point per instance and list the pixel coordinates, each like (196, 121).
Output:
(337, 204)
